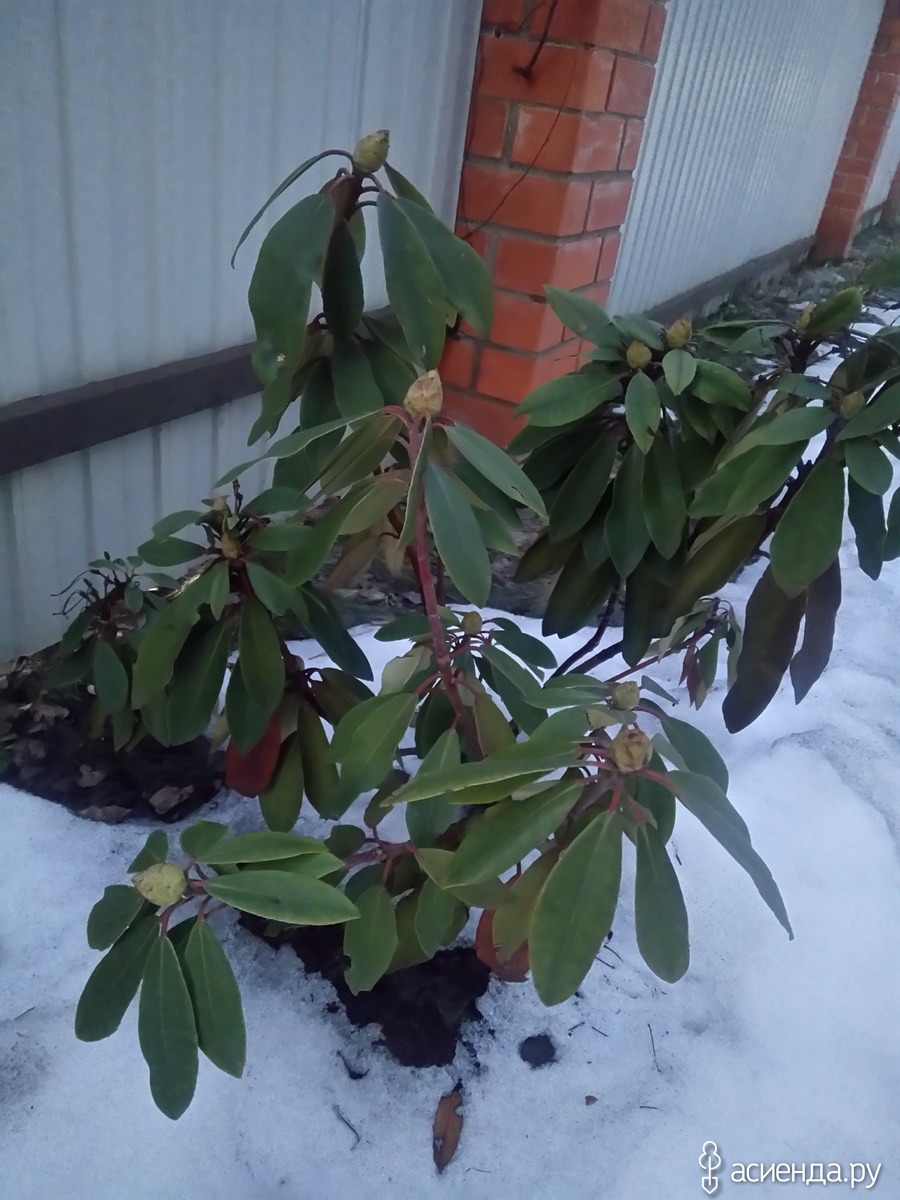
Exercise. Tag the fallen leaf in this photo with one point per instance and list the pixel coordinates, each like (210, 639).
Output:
(89, 777)
(515, 968)
(590, 1100)
(111, 815)
(448, 1125)
(166, 798)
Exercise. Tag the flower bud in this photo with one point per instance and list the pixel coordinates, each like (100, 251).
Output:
(626, 695)
(851, 404)
(638, 355)
(631, 749)
(230, 545)
(679, 333)
(804, 318)
(162, 884)
(371, 153)
(472, 623)
(425, 396)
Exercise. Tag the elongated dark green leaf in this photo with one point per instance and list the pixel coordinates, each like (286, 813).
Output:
(878, 414)
(711, 807)
(197, 682)
(167, 1031)
(626, 531)
(428, 819)
(655, 798)
(663, 501)
(799, 424)
(465, 278)
(290, 258)
(578, 498)
(413, 284)
(216, 1000)
(261, 847)
(157, 653)
(247, 722)
(585, 318)
(342, 286)
(456, 535)
(168, 552)
(198, 840)
(695, 748)
(283, 896)
(740, 485)
(575, 909)
(282, 187)
(175, 522)
(892, 536)
(490, 894)
(355, 390)
(274, 593)
(569, 398)
(642, 410)
(520, 761)
(154, 850)
(770, 635)
(710, 565)
(679, 368)
(808, 536)
(435, 913)
(530, 649)
(403, 187)
(637, 327)
(496, 465)
(110, 677)
(366, 740)
(220, 586)
(866, 512)
(370, 942)
(512, 921)
(280, 804)
(869, 466)
(578, 595)
(323, 623)
(119, 906)
(508, 832)
(660, 916)
(718, 384)
(114, 981)
(262, 665)
(823, 602)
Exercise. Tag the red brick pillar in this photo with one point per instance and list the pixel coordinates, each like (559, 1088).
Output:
(866, 132)
(550, 154)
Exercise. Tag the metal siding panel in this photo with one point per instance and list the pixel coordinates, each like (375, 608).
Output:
(747, 119)
(887, 165)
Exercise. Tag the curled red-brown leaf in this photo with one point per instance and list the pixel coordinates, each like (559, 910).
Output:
(512, 970)
(448, 1123)
(251, 773)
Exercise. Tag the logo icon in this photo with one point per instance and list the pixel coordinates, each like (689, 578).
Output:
(710, 1161)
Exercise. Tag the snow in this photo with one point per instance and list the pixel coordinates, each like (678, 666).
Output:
(778, 1051)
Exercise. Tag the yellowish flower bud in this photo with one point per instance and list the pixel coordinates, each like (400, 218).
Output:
(631, 749)
(372, 151)
(230, 545)
(626, 695)
(472, 623)
(851, 404)
(804, 318)
(162, 884)
(425, 396)
(638, 355)
(679, 333)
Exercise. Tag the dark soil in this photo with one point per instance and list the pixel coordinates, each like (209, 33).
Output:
(45, 735)
(421, 1009)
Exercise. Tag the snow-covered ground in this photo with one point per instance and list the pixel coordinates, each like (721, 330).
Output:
(780, 1052)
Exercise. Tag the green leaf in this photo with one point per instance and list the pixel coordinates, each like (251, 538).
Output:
(575, 909)
(718, 384)
(355, 390)
(157, 653)
(175, 522)
(635, 327)
(695, 748)
(110, 677)
(513, 920)
(275, 594)
(407, 626)
(220, 586)
(741, 485)
(323, 623)
(435, 914)
(822, 606)
(283, 896)
(343, 299)
(866, 513)
(370, 942)
(518, 762)
(456, 535)
(262, 666)
(497, 466)
(660, 916)
(578, 595)
(663, 501)
(170, 551)
(280, 804)
(216, 1000)
(247, 722)
(808, 536)
(585, 318)
(626, 532)
(569, 398)
(282, 187)
(261, 847)
(581, 492)
(114, 981)
(892, 537)
(167, 1031)
(490, 894)
(273, 500)
(799, 424)
(679, 368)
(803, 386)
(465, 278)
(155, 850)
(413, 284)
(530, 649)
(655, 798)
(112, 915)
(642, 410)
(199, 840)
(197, 682)
(428, 819)
(869, 466)
(711, 807)
(878, 414)
(366, 740)
(405, 189)
(770, 635)
(290, 259)
(508, 832)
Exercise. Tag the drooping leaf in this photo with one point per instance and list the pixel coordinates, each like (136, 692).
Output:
(355, 390)
(371, 942)
(320, 775)
(512, 921)
(519, 761)
(114, 981)
(119, 906)
(280, 802)
(413, 284)
(868, 465)
(785, 429)
(436, 912)
(715, 383)
(154, 850)
(282, 187)
(892, 536)
(578, 595)
(428, 819)
(169, 552)
(342, 286)
(456, 535)
(660, 915)
(626, 531)
(530, 649)
(110, 677)
(247, 722)
(569, 398)
(663, 501)
(695, 748)
(709, 566)
(283, 896)
(497, 466)
(262, 666)
(679, 368)
(366, 740)
(808, 536)
(403, 187)
(157, 653)
(323, 623)
(575, 909)
(197, 682)
(642, 410)
(866, 512)
(167, 1031)
(216, 1001)
(741, 484)
(585, 318)
(823, 602)
(581, 492)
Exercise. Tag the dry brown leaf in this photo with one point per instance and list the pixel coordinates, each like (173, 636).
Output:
(168, 797)
(448, 1123)
(111, 815)
(89, 777)
(512, 970)
(590, 1100)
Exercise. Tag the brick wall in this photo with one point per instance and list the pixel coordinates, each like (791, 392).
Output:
(550, 152)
